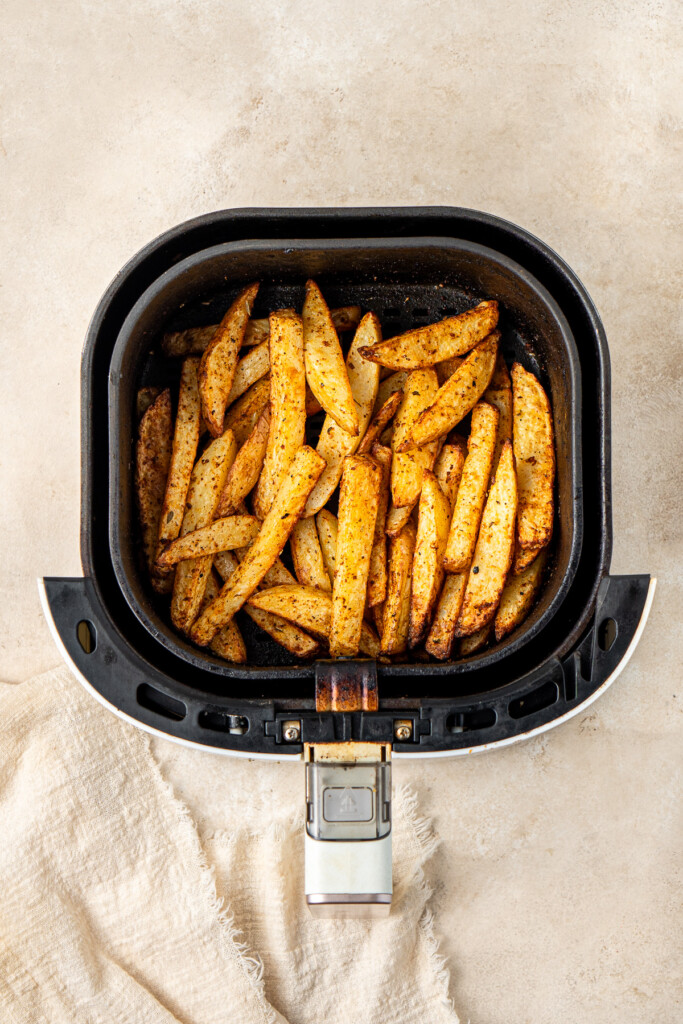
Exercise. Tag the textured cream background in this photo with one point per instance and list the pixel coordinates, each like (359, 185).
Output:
(558, 879)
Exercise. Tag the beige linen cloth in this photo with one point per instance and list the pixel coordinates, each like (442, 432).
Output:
(112, 910)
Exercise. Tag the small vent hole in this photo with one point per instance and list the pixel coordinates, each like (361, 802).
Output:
(535, 701)
(607, 634)
(420, 314)
(471, 721)
(160, 703)
(86, 636)
(236, 725)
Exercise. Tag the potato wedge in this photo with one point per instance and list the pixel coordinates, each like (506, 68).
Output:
(335, 444)
(310, 608)
(246, 468)
(222, 535)
(219, 362)
(447, 368)
(377, 576)
(378, 616)
(522, 559)
(277, 526)
(152, 461)
(307, 556)
(430, 544)
(448, 469)
(493, 553)
(397, 519)
(535, 458)
(474, 484)
(242, 417)
(313, 406)
(325, 369)
(424, 346)
(185, 441)
(328, 529)
(440, 640)
(407, 467)
(379, 421)
(227, 643)
(499, 394)
(394, 382)
(293, 639)
(287, 406)
(206, 484)
(250, 368)
(396, 617)
(519, 595)
(457, 396)
(476, 642)
(358, 501)
(145, 397)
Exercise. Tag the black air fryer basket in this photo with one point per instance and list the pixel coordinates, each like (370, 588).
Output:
(411, 266)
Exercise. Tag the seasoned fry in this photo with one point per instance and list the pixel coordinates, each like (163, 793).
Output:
(440, 639)
(396, 617)
(358, 501)
(185, 441)
(474, 483)
(219, 362)
(307, 556)
(457, 396)
(325, 369)
(144, 398)
(519, 595)
(251, 367)
(221, 535)
(387, 387)
(287, 406)
(190, 342)
(477, 641)
(378, 615)
(535, 458)
(379, 421)
(243, 415)
(493, 553)
(522, 558)
(424, 346)
(397, 519)
(447, 368)
(499, 394)
(430, 543)
(275, 531)
(377, 577)
(246, 468)
(407, 467)
(227, 643)
(335, 444)
(328, 529)
(448, 469)
(310, 608)
(152, 461)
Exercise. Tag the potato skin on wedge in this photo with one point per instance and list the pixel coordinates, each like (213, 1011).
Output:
(325, 369)
(245, 470)
(535, 458)
(407, 467)
(152, 461)
(428, 564)
(310, 608)
(519, 595)
(474, 483)
(396, 616)
(307, 556)
(219, 362)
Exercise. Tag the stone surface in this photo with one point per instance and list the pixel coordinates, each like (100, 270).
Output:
(557, 882)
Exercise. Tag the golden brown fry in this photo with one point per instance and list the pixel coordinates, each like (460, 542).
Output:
(378, 615)
(397, 519)
(287, 406)
(424, 346)
(395, 382)
(519, 595)
(310, 608)
(242, 417)
(407, 467)
(522, 559)
(325, 369)
(499, 394)
(335, 444)
(535, 458)
(145, 397)
(152, 461)
(495, 545)
(277, 526)
(246, 468)
(396, 616)
(251, 367)
(358, 500)
(328, 529)
(379, 421)
(440, 639)
(227, 643)
(477, 641)
(474, 484)
(307, 556)
(219, 362)
(457, 396)
(448, 469)
(430, 544)
(377, 577)
(447, 368)
(222, 535)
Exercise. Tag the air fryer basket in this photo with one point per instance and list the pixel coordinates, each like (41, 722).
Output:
(586, 623)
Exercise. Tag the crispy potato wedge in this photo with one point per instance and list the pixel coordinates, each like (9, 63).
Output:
(325, 369)
(397, 519)
(222, 535)
(287, 406)
(522, 559)
(246, 468)
(493, 553)
(448, 468)
(535, 458)
(307, 556)
(152, 461)
(242, 417)
(394, 382)
(250, 368)
(185, 441)
(335, 444)
(206, 484)
(328, 529)
(145, 397)
(424, 346)
(474, 484)
(284, 633)
(499, 394)
(476, 642)
(396, 616)
(379, 422)
(430, 544)
(447, 368)
(358, 501)
(440, 639)
(377, 576)
(310, 608)
(219, 362)
(227, 643)
(457, 396)
(407, 467)
(519, 595)
(277, 526)
(378, 616)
